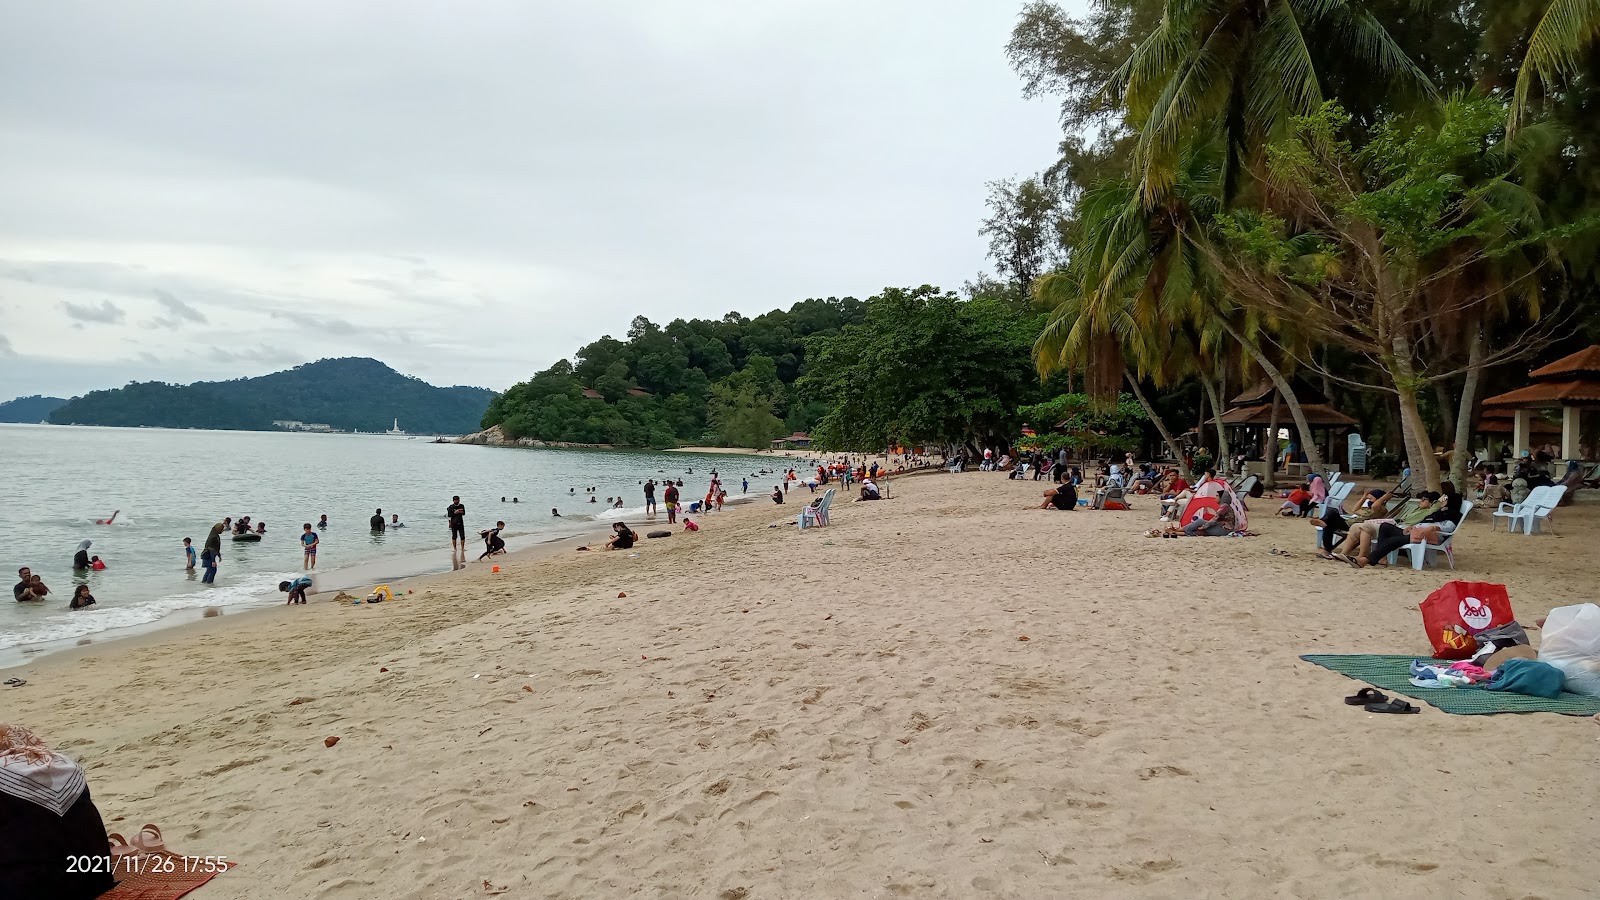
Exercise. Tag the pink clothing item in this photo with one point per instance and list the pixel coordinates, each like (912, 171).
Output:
(1319, 489)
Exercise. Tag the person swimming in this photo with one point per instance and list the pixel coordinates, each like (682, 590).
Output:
(555, 513)
(110, 520)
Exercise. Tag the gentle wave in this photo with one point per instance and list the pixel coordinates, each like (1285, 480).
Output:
(68, 624)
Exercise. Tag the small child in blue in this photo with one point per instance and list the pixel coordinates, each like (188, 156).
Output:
(188, 555)
(296, 589)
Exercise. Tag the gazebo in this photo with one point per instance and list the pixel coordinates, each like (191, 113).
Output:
(1251, 412)
(1570, 384)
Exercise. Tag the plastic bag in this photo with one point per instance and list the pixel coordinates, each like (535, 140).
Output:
(1571, 643)
(1453, 614)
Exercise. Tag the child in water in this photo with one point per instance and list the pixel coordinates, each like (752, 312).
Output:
(188, 555)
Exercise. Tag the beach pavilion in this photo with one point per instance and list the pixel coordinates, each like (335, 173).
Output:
(1570, 384)
(1248, 419)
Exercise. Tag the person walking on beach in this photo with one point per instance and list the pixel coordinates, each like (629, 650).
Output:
(310, 540)
(650, 497)
(456, 513)
(188, 555)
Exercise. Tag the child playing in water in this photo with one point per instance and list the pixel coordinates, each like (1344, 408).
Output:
(296, 589)
(310, 539)
(188, 555)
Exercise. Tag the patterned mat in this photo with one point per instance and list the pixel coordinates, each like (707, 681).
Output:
(162, 876)
(1392, 675)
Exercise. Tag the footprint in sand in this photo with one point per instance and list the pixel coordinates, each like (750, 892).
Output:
(1159, 771)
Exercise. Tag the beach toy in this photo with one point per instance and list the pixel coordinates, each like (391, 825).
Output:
(380, 594)
(494, 568)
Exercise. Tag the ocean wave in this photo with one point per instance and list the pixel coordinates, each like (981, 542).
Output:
(256, 590)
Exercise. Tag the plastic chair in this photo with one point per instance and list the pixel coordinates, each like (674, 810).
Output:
(816, 515)
(1537, 507)
(1419, 550)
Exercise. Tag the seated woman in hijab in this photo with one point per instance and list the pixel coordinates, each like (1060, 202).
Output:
(48, 819)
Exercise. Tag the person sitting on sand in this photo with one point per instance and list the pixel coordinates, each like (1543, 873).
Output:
(80, 560)
(1494, 493)
(81, 598)
(622, 537)
(492, 542)
(869, 491)
(1221, 525)
(777, 494)
(1297, 502)
(296, 589)
(1064, 498)
(50, 823)
(1572, 481)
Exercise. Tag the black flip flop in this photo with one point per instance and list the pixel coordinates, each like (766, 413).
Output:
(1367, 695)
(1393, 706)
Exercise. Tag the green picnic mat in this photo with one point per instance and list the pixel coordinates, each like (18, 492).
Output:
(1393, 675)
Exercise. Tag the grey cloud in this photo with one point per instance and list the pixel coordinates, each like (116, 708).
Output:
(269, 355)
(579, 164)
(105, 312)
(5, 346)
(179, 309)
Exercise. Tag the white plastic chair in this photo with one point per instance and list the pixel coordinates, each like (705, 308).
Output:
(816, 515)
(1540, 502)
(1419, 550)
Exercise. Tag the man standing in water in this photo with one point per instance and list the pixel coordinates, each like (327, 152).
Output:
(377, 523)
(457, 514)
(650, 497)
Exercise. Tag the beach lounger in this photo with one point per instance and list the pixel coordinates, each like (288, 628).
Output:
(1538, 506)
(816, 515)
(1246, 485)
(1419, 550)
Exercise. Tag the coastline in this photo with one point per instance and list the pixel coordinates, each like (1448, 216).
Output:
(840, 711)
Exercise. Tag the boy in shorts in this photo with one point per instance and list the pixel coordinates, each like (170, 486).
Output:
(296, 589)
(310, 539)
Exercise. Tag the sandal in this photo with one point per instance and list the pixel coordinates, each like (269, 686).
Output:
(1367, 695)
(149, 840)
(14, 682)
(120, 846)
(1393, 706)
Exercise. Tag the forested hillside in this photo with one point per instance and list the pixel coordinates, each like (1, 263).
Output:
(725, 382)
(353, 394)
(29, 409)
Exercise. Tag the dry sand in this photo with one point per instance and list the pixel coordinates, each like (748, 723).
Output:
(847, 712)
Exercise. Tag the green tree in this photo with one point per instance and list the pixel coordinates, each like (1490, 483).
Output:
(926, 367)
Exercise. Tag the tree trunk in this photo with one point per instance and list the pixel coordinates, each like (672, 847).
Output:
(1270, 451)
(1222, 430)
(1464, 416)
(1419, 451)
(1447, 418)
(1308, 441)
(1155, 419)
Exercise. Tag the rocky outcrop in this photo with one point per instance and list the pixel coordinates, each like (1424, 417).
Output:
(496, 437)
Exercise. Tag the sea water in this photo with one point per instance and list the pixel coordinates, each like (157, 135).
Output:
(172, 484)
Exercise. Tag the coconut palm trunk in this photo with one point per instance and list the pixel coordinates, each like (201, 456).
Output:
(1155, 419)
(1307, 440)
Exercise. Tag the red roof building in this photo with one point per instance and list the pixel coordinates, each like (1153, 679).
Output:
(1570, 384)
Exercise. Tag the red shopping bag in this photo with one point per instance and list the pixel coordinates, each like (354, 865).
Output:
(1454, 613)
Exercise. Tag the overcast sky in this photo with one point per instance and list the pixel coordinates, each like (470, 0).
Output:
(471, 191)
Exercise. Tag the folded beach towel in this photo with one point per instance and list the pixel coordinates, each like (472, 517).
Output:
(1527, 676)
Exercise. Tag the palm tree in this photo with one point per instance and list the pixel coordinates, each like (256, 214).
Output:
(1139, 289)
(1564, 30)
(1250, 65)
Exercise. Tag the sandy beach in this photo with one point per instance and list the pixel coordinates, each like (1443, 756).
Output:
(941, 695)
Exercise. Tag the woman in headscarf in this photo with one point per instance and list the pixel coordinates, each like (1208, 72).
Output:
(80, 560)
(55, 841)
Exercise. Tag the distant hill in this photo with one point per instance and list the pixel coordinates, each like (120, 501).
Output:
(29, 409)
(352, 394)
